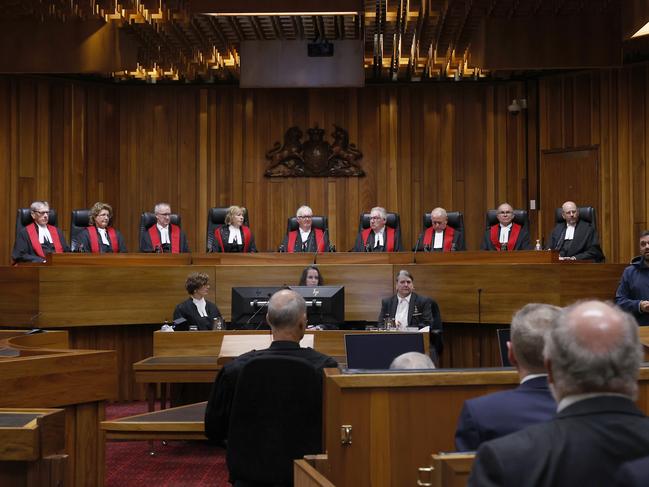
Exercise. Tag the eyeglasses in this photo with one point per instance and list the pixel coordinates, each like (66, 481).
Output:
(163, 214)
(505, 212)
(45, 212)
(376, 218)
(305, 217)
(438, 223)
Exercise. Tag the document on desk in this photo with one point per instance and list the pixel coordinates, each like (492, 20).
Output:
(235, 345)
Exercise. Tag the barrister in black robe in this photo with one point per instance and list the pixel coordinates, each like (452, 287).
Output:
(584, 244)
(196, 309)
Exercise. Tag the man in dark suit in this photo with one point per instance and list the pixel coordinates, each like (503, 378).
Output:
(506, 235)
(592, 357)
(379, 237)
(411, 310)
(164, 236)
(494, 415)
(575, 239)
(39, 238)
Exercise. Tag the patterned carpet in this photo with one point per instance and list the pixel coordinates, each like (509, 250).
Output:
(178, 464)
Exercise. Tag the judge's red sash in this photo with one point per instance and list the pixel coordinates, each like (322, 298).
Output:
(246, 237)
(513, 236)
(174, 236)
(36, 245)
(94, 239)
(319, 239)
(449, 232)
(389, 238)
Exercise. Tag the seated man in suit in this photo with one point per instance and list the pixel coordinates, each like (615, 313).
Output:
(164, 236)
(507, 235)
(38, 239)
(575, 239)
(592, 356)
(411, 310)
(633, 291)
(99, 237)
(378, 238)
(494, 415)
(440, 237)
(287, 319)
(305, 238)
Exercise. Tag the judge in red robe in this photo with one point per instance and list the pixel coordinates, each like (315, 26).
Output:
(440, 237)
(99, 237)
(39, 238)
(306, 238)
(164, 236)
(379, 237)
(234, 236)
(506, 235)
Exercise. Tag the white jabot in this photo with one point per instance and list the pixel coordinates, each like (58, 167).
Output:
(401, 315)
(44, 234)
(439, 240)
(104, 236)
(378, 238)
(504, 233)
(570, 232)
(304, 235)
(200, 306)
(570, 400)
(164, 234)
(235, 235)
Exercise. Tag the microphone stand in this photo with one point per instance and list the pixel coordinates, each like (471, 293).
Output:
(414, 256)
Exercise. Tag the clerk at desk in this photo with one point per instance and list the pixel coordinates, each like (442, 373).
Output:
(196, 310)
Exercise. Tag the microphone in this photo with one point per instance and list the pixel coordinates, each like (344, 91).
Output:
(158, 249)
(479, 305)
(503, 246)
(73, 245)
(414, 256)
(260, 305)
(281, 249)
(562, 239)
(210, 242)
(453, 247)
(367, 247)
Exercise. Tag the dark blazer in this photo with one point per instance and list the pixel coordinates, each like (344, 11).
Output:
(358, 245)
(584, 246)
(225, 234)
(583, 446)
(494, 415)
(422, 311)
(633, 474)
(458, 241)
(147, 246)
(24, 252)
(522, 242)
(83, 241)
(187, 309)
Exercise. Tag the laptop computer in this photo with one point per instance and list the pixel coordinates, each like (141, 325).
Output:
(378, 350)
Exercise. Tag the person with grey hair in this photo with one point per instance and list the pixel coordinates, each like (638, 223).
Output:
(506, 234)
(501, 413)
(592, 357)
(306, 238)
(412, 360)
(100, 237)
(378, 237)
(439, 237)
(164, 236)
(287, 319)
(38, 238)
(409, 309)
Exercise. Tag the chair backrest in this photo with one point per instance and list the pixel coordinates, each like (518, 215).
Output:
(520, 217)
(147, 220)
(320, 222)
(586, 213)
(24, 218)
(392, 220)
(79, 220)
(276, 418)
(455, 220)
(216, 217)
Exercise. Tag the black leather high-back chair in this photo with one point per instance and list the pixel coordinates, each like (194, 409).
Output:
(79, 220)
(147, 220)
(520, 217)
(24, 218)
(276, 418)
(586, 213)
(216, 217)
(455, 220)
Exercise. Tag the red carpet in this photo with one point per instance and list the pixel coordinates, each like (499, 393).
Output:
(179, 464)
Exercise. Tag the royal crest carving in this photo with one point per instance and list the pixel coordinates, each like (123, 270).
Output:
(316, 156)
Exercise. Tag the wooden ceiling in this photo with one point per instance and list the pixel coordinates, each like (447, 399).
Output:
(404, 40)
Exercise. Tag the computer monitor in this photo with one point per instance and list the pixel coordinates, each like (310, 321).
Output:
(325, 305)
(249, 306)
(378, 350)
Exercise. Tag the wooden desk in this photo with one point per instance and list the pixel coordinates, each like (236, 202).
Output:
(39, 371)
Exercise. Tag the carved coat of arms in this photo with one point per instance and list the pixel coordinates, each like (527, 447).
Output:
(314, 157)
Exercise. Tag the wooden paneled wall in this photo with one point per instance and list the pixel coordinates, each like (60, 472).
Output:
(74, 143)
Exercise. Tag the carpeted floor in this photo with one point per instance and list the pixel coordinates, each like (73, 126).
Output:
(178, 464)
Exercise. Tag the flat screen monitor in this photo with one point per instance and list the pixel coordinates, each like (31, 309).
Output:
(503, 338)
(378, 350)
(249, 306)
(325, 305)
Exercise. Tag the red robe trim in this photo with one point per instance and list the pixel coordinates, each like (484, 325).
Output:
(174, 236)
(246, 237)
(36, 245)
(319, 240)
(449, 233)
(513, 236)
(389, 237)
(94, 239)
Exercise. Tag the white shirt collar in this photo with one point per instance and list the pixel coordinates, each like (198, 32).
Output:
(200, 306)
(532, 376)
(304, 235)
(164, 234)
(104, 235)
(235, 235)
(43, 232)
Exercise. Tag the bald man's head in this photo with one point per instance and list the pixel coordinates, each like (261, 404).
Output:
(287, 314)
(594, 348)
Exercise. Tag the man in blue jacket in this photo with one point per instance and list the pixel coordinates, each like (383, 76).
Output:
(633, 292)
